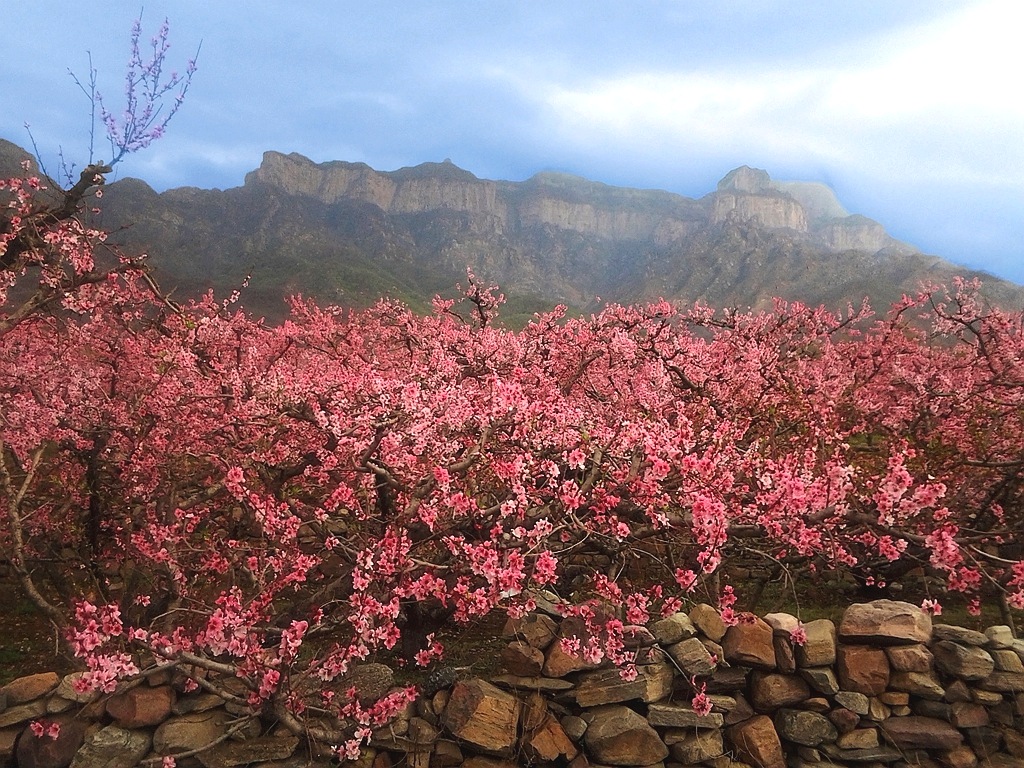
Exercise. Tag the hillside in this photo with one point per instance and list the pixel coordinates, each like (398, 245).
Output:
(346, 233)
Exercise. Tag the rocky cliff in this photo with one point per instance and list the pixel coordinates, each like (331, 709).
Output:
(346, 233)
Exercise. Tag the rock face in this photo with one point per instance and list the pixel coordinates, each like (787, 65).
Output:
(346, 233)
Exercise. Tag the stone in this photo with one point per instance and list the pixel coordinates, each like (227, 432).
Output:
(196, 702)
(957, 690)
(749, 643)
(22, 712)
(785, 658)
(930, 708)
(24, 689)
(372, 682)
(853, 701)
(923, 684)
(1002, 682)
(987, 698)
(871, 757)
(141, 706)
(965, 714)
(910, 658)
(801, 727)
(863, 669)
(188, 732)
(885, 622)
(43, 752)
(557, 661)
(845, 720)
(817, 704)
(673, 629)
(548, 742)
(522, 659)
(692, 658)
(820, 648)
(782, 624)
(535, 629)
(859, 738)
(698, 746)
(957, 634)
(959, 757)
(877, 710)
(916, 732)
(999, 637)
(574, 727)
(66, 690)
(676, 716)
(757, 742)
(606, 686)
(821, 679)
(740, 711)
(617, 735)
(728, 679)
(1007, 661)
(770, 691)
(548, 684)
(967, 662)
(261, 749)
(635, 636)
(708, 621)
(482, 715)
(446, 754)
(985, 741)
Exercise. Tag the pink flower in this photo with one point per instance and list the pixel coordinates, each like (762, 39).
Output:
(798, 635)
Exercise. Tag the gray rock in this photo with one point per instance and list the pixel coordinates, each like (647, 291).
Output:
(808, 728)
(967, 662)
(113, 747)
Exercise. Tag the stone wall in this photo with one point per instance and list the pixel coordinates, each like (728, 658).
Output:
(885, 688)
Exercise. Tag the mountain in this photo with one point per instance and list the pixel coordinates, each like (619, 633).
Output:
(346, 233)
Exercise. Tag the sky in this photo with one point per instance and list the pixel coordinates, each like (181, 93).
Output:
(912, 111)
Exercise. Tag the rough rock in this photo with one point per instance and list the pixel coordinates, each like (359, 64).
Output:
(676, 716)
(606, 686)
(757, 742)
(923, 684)
(548, 742)
(885, 622)
(259, 750)
(916, 732)
(673, 629)
(957, 634)
(559, 663)
(372, 681)
(697, 746)
(692, 657)
(1002, 682)
(187, 732)
(821, 679)
(617, 735)
(859, 738)
(66, 690)
(635, 636)
(964, 661)
(1007, 661)
(482, 715)
(853, 701)
(999, 637)
(807, 728)
(113, 747)
(965, 714)
(771, 691)
(708, 620)
(548, 684)
(29, 687)
(141, 706)
(22, 712)
(535, 629)
(43, 752)
(522, 659)
(785, 658)
(750, 643)
(863, 669)
(910, 658)
(820, 648)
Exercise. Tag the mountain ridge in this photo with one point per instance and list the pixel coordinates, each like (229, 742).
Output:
(345, 233)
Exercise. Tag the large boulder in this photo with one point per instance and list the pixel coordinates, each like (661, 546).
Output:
(482, 715)
(617, 735)
(885, 622)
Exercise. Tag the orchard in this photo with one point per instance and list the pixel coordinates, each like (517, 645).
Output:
(187, 487)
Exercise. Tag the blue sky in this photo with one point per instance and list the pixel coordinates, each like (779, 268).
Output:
(912, 111)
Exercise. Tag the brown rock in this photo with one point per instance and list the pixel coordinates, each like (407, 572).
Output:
(740, 711)
(676, 716)
(66, 690)
(673, 629)
(820, 648)
(916, 732)
(188, 732)
(558, 662)
(968, 715)
(692, 658)
(853, 701)
(845, 720)
(958, 634)
(635, 636)
(967, 662)
(548, 742)
(757, 742)
(1007, 661)
(860, 738)
(522, 659)
(959, 757)
(1002, 682)
(782, 624)
(785, 658)
(771, 691)
(547, 684)
(957, 690)
(482, 715)
(25, 689)
(821, 679)
(801, 727)
(141, 706)
(536, 630)
(606, 686)
(885, 622)
(862, 668)
(999, 636)
(697, 746)
(709, 621)
(113, 747)
(617, 735)
(923, 684)
(372, 682)
(258, 750)
(750, 643)
(446, 754)
(22, 712)
(910, 658)
(196, 702)
(43, 752)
